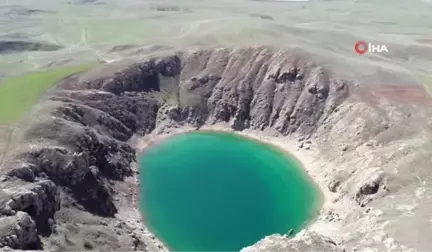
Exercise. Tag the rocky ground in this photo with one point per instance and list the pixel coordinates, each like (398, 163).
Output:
(68, 180)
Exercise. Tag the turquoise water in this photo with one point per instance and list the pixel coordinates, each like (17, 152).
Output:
(208, 191)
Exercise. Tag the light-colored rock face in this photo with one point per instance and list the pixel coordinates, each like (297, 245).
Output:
(369, 154)
(304, 241)
(257, 88)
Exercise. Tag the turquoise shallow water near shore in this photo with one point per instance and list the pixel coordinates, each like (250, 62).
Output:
(208, 191)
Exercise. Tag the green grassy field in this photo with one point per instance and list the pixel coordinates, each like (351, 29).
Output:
(19, 93)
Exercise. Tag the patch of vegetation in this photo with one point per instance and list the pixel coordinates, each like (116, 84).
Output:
(19, 93)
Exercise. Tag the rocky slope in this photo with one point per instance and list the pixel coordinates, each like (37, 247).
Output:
(68, 182)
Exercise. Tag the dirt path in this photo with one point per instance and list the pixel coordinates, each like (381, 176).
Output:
(409, 94)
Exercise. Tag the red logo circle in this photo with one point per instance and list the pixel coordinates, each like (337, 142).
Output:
(361, 47)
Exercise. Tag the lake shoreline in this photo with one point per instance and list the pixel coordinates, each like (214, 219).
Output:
(140, 144)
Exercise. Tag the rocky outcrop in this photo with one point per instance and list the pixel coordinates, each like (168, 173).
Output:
(258, 89)
(76, 149)
(304, 241)
(39, 199)
(19, 232)
(370, 187)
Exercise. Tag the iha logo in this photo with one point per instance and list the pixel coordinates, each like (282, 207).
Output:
(362, 47)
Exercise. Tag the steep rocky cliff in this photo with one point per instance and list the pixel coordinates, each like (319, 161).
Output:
(63, 182)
